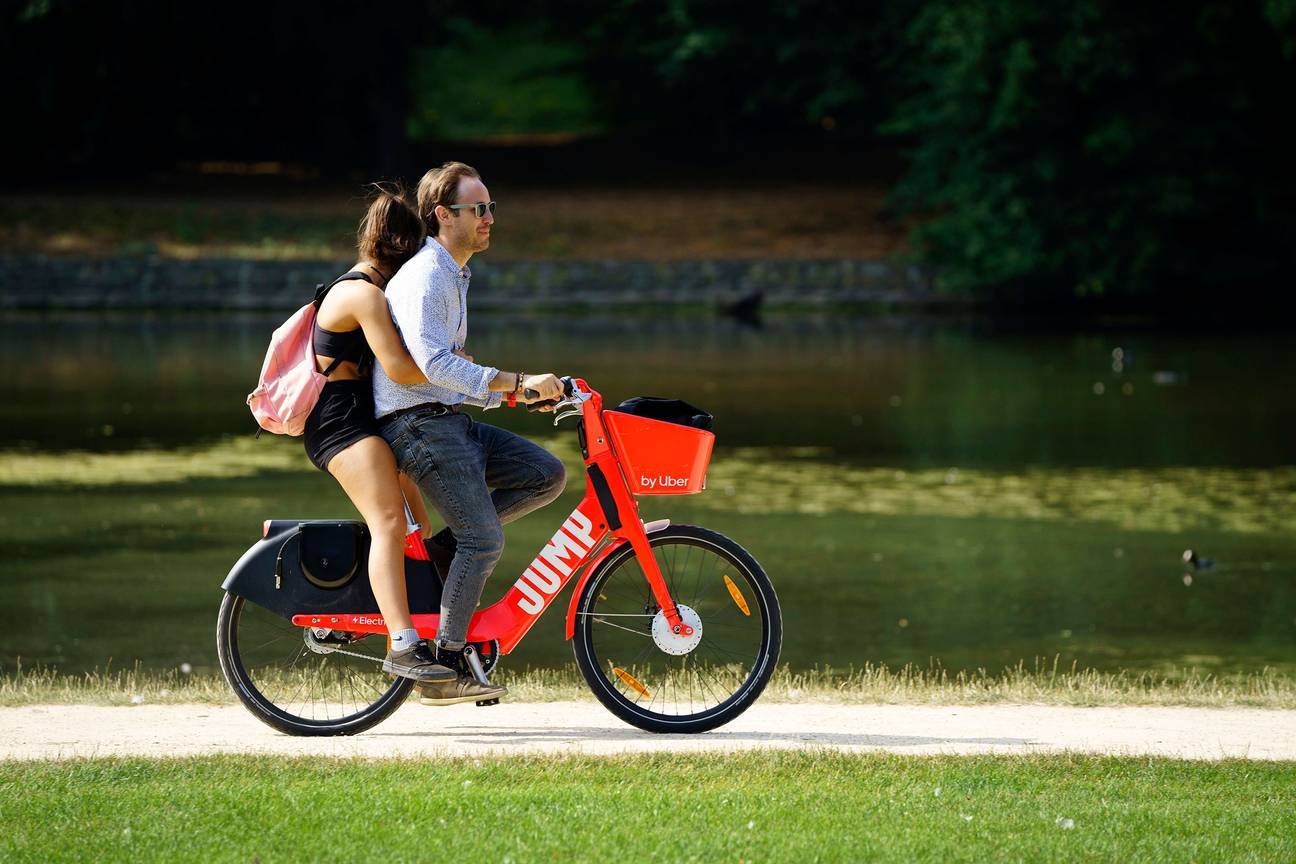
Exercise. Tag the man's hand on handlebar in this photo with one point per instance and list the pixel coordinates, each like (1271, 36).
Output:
(541, 388)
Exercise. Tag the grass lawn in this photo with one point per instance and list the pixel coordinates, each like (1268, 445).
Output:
(772, 806)
(870, 685)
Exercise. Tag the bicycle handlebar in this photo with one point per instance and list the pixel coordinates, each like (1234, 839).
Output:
(569, 390)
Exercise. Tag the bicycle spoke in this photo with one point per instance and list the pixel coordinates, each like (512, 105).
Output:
(730, 644)
(600, 620)
(619, 614)
(329, 687)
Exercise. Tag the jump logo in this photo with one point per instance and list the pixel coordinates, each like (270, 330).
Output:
(665, 481)
(555, 563)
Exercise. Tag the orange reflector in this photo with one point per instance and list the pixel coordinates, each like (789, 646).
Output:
(737, 596)
(631, 682)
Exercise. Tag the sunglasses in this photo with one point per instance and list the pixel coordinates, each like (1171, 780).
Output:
(479, 210)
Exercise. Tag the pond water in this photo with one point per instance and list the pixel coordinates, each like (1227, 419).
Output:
(919, 492)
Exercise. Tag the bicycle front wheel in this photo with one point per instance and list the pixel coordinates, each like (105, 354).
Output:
(658, 680)
(328, 684)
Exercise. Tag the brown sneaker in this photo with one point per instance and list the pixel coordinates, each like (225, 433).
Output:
(418, 663)
(461, 689)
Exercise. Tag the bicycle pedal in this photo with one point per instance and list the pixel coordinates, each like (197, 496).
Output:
(485, 702)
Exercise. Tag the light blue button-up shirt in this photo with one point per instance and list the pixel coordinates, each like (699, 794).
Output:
(428, 298)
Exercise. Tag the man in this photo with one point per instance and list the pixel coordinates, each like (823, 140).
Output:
(476, 476)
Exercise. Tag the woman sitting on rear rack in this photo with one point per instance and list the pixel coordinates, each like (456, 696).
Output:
(353, 328)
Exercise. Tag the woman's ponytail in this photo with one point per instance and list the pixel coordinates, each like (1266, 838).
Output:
(391, 230)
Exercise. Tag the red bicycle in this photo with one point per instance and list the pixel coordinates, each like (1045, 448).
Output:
(675, 628)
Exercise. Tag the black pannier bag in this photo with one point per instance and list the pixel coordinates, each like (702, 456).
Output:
(329, 554)
(315, 567)
(667, 410)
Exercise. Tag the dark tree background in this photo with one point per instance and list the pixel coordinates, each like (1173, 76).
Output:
(1100, 146)
(1049, 151)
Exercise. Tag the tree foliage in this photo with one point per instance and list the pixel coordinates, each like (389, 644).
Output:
(1093, 147)
(727, 67)
(128, 89)
(1099, 147)
(519, 78)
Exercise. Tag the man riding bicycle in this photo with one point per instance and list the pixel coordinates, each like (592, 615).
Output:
(476, 476)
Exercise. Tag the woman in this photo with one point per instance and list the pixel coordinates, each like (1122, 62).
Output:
(353, 324)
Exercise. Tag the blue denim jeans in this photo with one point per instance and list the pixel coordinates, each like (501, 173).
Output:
(477, 477)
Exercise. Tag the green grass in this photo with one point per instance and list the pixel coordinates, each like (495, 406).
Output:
(1043, 684)
(762, 806)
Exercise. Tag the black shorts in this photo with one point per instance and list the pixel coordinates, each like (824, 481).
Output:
(343, 415)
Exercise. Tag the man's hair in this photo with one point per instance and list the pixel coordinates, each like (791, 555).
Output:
(440, 187)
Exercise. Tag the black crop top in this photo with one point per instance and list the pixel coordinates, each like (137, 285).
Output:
(347, 346)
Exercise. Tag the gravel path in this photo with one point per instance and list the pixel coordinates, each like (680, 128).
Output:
(68, 731)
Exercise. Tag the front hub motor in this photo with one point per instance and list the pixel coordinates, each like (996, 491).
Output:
(677, 643)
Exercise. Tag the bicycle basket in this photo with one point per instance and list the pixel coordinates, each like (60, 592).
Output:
(664, 445)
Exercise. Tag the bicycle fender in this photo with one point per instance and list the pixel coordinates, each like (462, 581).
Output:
(615, 545)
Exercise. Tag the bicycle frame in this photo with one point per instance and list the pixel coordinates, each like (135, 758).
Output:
(604, 521)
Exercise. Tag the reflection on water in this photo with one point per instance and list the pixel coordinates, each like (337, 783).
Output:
(887, 393)
(1244, 500)
(915, 491)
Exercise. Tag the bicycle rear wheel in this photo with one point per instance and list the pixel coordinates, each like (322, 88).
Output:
(302, 688)
(662, 682)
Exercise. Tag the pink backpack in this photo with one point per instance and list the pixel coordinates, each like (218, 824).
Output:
(290, 380)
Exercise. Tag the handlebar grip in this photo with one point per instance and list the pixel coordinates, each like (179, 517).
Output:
(569, 387)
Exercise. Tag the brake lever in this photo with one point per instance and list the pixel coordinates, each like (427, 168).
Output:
(567, 409)
(568, 405)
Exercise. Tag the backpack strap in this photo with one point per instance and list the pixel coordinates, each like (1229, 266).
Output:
(321, 290)
(329, 371)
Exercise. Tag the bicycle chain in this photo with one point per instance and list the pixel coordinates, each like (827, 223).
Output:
(320, 648)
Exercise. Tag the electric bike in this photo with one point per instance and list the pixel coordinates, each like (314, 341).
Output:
(675, 628)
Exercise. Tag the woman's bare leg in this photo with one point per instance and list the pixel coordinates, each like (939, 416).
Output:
(367, 472)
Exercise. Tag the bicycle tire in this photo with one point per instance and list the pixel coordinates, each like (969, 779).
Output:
(608, 687)
(388, 695)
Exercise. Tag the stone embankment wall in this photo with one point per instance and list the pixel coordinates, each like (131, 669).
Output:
(41, 282)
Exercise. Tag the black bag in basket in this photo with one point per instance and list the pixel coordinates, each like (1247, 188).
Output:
(666, 410)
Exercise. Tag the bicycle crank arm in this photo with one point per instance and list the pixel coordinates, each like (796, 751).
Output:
(475, 666)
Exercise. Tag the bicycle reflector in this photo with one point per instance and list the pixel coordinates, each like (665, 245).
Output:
(737, 596)
(631, 682)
